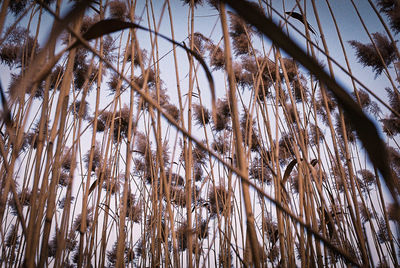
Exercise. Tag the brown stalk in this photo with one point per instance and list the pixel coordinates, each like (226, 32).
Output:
(57, 128)
(314, 45)
(157, 199)
(174, 243)
(238, 140)
(361, 123)
(357, 223)
(3, 13)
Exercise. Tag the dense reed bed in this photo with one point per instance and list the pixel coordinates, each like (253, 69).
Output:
(134, 134)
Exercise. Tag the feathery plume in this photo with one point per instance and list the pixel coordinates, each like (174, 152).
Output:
(286, 151)
(78, 221)
(76, 106)
(17, 6)
(218, 199)
(202, 228)
(291, 111)
(392, 10)
(270, 229)
(62, 201)
(221, 143)
(393, 212)
(299, 88)
(24, 197)
(118, 10)
(121, 123)
(367, 177)
(55, 77)
(240, 34)
(367, 54)
(182, 234)
(197, 172)
(365, 212)
(178, 196)
(217, 57)
(176, 179)
(151, 79)
(64, 180)
(37, 92)
(140, 56)
(291, 69)
(112, 254)
(350, 132)
(383, 232)
(173, 111)
(143, 145)
(18, 47)
(113, 82)
(223, 115)
(258, 170)
(391, 126)
(201, 115)
(112, 184)
(198, 42)
(192, 2)
(12, 238)
(103, 121)
(97, 157)
(316, 135)
(394, 158)
(200, 156)
(109, 48)
(134, 209)
(243, 78)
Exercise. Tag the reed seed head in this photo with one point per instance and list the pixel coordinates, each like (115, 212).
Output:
(391, 8)
(218, 199)
(367, 177)
(134, 209)
(12, 238)
(243, 78)
(140, 56)
(78, 221)
(62, 201)
(367, 54)
(316, 135)
(198, 42)
(260, 171)
(217, 57)
(202, 228)
(365, 212)
(118, 10)
(178, 196)
(383, 232)
(393, 212)
(348, 129)
(391, 126)
(182, 234)
(291, 69)
(221, 143)
(286, 150)
(112, 184)
(97, 157)
(112, 254)
(193, 2)
(173, 111)
(201, 115)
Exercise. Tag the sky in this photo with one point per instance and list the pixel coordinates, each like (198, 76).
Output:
(206, 22)
(349, 24)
